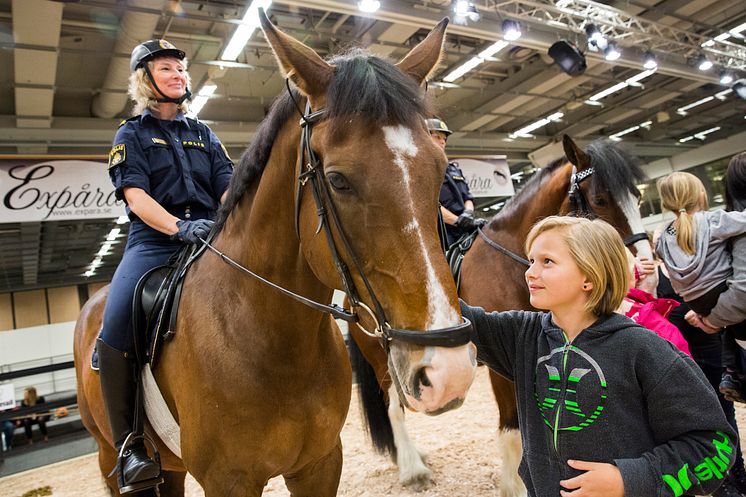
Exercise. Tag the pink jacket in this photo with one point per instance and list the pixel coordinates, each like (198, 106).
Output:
(652, 313)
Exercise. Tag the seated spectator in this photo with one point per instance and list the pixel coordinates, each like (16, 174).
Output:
(30, 398)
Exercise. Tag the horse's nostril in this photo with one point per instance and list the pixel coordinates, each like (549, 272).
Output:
(420, 379)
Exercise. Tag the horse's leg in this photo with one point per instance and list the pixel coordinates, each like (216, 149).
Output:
(320, 479)
(173, 484)
(509, 437)
(412, 469)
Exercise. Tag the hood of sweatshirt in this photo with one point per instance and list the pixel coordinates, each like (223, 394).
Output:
(685, 268)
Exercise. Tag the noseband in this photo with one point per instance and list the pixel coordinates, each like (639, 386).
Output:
(310, 170)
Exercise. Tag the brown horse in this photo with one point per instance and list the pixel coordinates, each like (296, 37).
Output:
(492, 277)
(259, 383)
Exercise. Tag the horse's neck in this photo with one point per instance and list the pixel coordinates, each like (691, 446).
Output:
(260, 235)
(536, 201)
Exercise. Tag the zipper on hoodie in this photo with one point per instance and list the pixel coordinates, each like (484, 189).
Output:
(561, 402)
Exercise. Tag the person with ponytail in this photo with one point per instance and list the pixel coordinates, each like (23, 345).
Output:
(695, 250)
(172, 172)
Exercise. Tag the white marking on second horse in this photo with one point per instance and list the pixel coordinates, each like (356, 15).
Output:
(401, 143)
(632, 213)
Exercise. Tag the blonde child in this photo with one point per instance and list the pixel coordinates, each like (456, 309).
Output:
(607, 408)
(694, 249)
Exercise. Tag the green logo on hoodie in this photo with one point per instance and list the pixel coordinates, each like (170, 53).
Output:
(711, 467)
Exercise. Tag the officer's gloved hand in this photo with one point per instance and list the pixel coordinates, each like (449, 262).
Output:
(465, 221)
(478, 223)
(192, 231)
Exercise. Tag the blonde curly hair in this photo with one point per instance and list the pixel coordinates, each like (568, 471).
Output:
(142, 92)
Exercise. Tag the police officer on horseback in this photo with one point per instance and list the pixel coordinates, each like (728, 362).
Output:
(172, 172)
(456, 201)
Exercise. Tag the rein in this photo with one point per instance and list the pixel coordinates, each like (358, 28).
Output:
(309, 169)
(579, 205)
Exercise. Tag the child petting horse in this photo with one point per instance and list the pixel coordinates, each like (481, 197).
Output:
(606, 407)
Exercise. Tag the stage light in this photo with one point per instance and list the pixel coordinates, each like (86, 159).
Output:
(649, 61)
(511, 30)
(726, 78)
(740, 88)
(368, 6)
(466, 9)
(596, 39)
(704, 64)
(612, 53)
(568, 57)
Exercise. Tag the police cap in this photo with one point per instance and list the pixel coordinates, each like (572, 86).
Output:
(151, 49)
(436, 124)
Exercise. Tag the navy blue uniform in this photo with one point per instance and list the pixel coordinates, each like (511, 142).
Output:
(453, 194)
(185, 168)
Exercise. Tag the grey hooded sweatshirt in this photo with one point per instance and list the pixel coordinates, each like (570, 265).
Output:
(692, 276)
(618, 393)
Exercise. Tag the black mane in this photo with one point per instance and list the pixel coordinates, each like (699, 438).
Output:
(615, 170)
(363, 85)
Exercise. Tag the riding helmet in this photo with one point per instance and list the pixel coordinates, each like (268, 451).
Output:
(436, 124)
(153, 48)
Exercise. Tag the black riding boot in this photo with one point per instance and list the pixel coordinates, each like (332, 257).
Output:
(119, 386)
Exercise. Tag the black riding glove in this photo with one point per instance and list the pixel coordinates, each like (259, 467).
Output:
(192, 231)
(465, 221)
(478, 223)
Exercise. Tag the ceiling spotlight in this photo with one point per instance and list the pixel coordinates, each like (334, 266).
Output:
(740, 88)
(704, 64)
(726, 78)
(649, 61)
(466, 9)
(568, 57)
(511, 30)
(368, 6)
(596, 39)
(612, 52)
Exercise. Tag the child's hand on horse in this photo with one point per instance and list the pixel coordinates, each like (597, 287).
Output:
(599, 480)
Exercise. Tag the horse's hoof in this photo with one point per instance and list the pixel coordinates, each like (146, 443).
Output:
(418, 480)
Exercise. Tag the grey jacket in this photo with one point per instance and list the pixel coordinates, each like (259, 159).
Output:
(618, 393)
(731, 306)
(692, 276)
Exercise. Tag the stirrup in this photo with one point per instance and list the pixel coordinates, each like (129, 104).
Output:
(142, 484)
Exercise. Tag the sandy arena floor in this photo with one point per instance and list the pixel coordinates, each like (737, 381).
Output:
(461, 447)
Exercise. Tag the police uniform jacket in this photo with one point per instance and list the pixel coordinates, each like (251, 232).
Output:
(454, 191)
(180, 163)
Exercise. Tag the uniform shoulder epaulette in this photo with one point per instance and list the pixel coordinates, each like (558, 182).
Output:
(124, 121)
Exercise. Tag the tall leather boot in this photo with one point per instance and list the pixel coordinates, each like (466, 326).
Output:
(136, 471)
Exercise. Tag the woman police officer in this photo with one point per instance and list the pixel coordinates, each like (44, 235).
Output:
(172, 172)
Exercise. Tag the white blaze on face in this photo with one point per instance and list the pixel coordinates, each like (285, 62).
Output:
(632, 213)
(400, 142)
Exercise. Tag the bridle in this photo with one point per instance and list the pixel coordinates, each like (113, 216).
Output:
(310, 169)
(579, 206)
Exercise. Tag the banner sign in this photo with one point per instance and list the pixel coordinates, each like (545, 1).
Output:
(7, 397)
(487, 176)
(55, 190)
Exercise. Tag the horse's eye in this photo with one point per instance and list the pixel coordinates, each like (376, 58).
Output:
(338, 181)
(600, 201)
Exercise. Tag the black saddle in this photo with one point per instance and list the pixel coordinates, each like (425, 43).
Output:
(456, 252)
(155, 304)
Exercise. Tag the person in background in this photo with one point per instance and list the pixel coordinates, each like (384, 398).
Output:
(608, 409)
(172, 173)
(31, 399)
(694, 249)
(7, 430)
(456, 201)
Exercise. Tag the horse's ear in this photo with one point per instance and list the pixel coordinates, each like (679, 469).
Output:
(310, 73)
(423, 59)
(575, 154)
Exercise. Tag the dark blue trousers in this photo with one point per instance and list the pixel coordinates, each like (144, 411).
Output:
(146, 249)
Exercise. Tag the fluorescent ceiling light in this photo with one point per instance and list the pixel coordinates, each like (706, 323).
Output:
(719, 95)
(368, 6)
(475, 61)
(244, 30)
(619, 86)
(197, 104)
(123, 220)
(524, 132)
(618, 136)
(113, 234)
(699, 136)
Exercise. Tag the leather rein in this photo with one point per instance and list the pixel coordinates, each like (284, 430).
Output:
(309, 169)
(580, 205)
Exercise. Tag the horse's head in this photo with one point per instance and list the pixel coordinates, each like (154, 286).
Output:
(374, 173)
(605, 185)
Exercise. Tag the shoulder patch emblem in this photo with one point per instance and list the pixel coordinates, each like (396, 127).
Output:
(225, 152)
(159, 141)
(117, 155)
